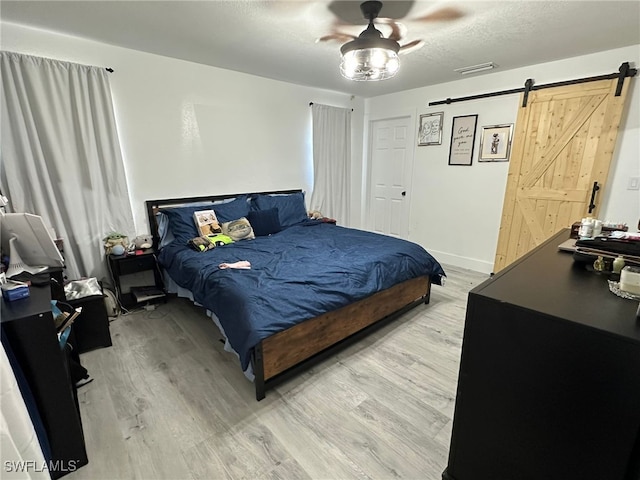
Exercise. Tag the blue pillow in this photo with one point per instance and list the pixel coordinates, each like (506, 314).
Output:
(181, 222)
(291, 208)
(233, 210)
(164, 231)
(264, 222)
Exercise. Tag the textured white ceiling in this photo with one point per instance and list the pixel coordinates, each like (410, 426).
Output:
(277, 39)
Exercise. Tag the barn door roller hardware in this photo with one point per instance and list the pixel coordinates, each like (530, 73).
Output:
(623, 72)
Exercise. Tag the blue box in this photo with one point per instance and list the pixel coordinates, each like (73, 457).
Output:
(14, 291)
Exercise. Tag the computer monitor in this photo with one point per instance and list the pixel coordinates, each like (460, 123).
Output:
(27, 241)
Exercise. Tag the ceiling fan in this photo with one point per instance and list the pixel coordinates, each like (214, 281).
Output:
(344, 12)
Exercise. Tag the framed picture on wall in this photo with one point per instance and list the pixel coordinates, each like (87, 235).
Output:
(495, 143)
(430, 129)
(463, 139)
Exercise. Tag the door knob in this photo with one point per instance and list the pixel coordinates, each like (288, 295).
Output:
(404, 194)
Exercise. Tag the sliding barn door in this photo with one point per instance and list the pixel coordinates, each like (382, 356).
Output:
(563, 143)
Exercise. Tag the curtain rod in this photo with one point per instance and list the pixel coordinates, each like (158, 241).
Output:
(311, 103)
(109, 69)
(623, 72)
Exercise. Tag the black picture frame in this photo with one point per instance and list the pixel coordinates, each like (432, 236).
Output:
(463, 140)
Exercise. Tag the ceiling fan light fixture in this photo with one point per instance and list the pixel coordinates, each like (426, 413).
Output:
(370, 57)
(369, 63)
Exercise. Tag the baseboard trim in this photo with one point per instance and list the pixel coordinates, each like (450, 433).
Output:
(462, 262)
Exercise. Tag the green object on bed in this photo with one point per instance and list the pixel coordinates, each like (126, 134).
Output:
(207, 242)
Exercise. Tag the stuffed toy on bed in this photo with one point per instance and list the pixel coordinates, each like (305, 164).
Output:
(207, 242)
(319, 218)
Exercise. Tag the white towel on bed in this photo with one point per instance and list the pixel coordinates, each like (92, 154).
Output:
(242, 264)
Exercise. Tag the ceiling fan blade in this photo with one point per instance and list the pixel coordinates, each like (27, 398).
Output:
(348, 12)
(442, 14)
(341, 37)
(411, 46)
(398, 30)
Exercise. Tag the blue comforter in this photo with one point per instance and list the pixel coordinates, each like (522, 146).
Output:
(296, 274)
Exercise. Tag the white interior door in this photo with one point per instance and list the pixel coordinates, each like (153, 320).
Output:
(391, 160)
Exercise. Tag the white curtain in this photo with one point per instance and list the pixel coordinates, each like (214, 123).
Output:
(331, 161)
(60, 155)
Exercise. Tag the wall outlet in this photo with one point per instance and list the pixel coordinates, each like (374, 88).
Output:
(634, 183)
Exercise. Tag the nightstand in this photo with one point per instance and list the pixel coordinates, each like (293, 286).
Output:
(123, 265)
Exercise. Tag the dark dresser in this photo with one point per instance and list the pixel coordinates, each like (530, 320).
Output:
(549, 382)
(28, 331)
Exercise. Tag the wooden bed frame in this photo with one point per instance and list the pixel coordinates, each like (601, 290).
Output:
(287, 352)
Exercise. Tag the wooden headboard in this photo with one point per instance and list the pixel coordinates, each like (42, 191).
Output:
(154, 205)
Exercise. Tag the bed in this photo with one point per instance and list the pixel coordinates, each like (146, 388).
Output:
(312, 287)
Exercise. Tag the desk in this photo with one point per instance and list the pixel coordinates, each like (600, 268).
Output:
(30, 331)
(549, 383)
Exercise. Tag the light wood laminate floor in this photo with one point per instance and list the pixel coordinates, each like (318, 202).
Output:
(167, 402)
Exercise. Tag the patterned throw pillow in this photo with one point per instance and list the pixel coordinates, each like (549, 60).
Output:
(239, 229)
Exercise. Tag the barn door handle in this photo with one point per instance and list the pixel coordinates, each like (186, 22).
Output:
(404, 194)
(595, 188)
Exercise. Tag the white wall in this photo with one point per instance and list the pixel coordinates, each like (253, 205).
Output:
(188, 129)
(456, 211)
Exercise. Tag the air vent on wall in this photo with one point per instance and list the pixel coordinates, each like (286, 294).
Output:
(476, 68)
